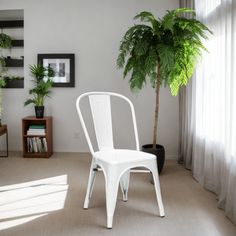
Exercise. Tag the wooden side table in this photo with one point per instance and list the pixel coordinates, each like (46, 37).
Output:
(35, 139)
(3, 130)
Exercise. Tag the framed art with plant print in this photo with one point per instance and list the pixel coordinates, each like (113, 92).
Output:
(63, 66)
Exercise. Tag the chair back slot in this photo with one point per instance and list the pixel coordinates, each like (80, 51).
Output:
(101, 112)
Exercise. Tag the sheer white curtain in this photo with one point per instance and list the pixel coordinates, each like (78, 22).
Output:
(186, 113)
(214, 104)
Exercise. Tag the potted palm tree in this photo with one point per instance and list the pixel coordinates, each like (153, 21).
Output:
(43, 84)
(165, 51)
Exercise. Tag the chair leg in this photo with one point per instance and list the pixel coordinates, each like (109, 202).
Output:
(124, 185)
(158, 191)
(92, 175)
(112, 183)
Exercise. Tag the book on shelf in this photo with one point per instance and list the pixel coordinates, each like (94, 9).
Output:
(35, 145)
(45, 144)
(36, 132)
(28, 145)
(37, 127)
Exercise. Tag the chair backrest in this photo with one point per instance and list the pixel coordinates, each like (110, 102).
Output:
(100, 104)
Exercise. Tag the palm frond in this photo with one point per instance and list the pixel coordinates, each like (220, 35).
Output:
(37, 71)
(146, 16)
(29, 101)
(133, 36)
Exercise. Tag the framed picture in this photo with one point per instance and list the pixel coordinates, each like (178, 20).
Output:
(63, 66)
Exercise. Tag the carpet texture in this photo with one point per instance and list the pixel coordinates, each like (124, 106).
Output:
(44, 197)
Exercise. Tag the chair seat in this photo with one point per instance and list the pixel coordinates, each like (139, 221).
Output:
(119, 156)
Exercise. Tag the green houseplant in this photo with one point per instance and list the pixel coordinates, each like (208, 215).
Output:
(165, 51)
(43, 84)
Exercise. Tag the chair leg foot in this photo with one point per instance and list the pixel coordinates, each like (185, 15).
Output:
(109, 222)
(158, 190)
(125, 198)
(112, 183)
(124, 184)
(92, 175)
(86, 203)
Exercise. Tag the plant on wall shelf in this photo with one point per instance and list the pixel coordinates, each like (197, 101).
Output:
(5, 41)
(3, 71)
(43, 84)
(165, 51)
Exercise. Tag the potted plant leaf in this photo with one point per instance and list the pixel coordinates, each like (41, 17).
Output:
(164, 51)
(5, 43)
(43, 84)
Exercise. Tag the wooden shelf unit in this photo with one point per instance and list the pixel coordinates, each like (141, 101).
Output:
(32, 120)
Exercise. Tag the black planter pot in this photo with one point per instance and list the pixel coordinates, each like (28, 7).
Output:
(159, 152)
(39, 111)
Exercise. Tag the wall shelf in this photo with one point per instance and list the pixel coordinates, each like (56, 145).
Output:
(15, 83)
(11, 62)
(17, 43)
(12, 24)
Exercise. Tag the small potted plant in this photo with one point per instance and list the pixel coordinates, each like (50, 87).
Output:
(165, 51)
(43, 84)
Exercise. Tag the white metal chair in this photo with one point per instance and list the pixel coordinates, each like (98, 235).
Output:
(115, 163)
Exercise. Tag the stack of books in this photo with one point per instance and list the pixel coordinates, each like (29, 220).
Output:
(36, 144)
(36, 130)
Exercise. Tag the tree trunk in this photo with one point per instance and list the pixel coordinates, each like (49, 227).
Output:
(156, 114)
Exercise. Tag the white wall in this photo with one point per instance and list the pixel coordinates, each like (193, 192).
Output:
(92, 30)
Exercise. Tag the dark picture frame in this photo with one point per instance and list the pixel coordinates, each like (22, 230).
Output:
(64, 67)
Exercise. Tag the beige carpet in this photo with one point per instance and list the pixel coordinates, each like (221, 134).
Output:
(42, 197)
